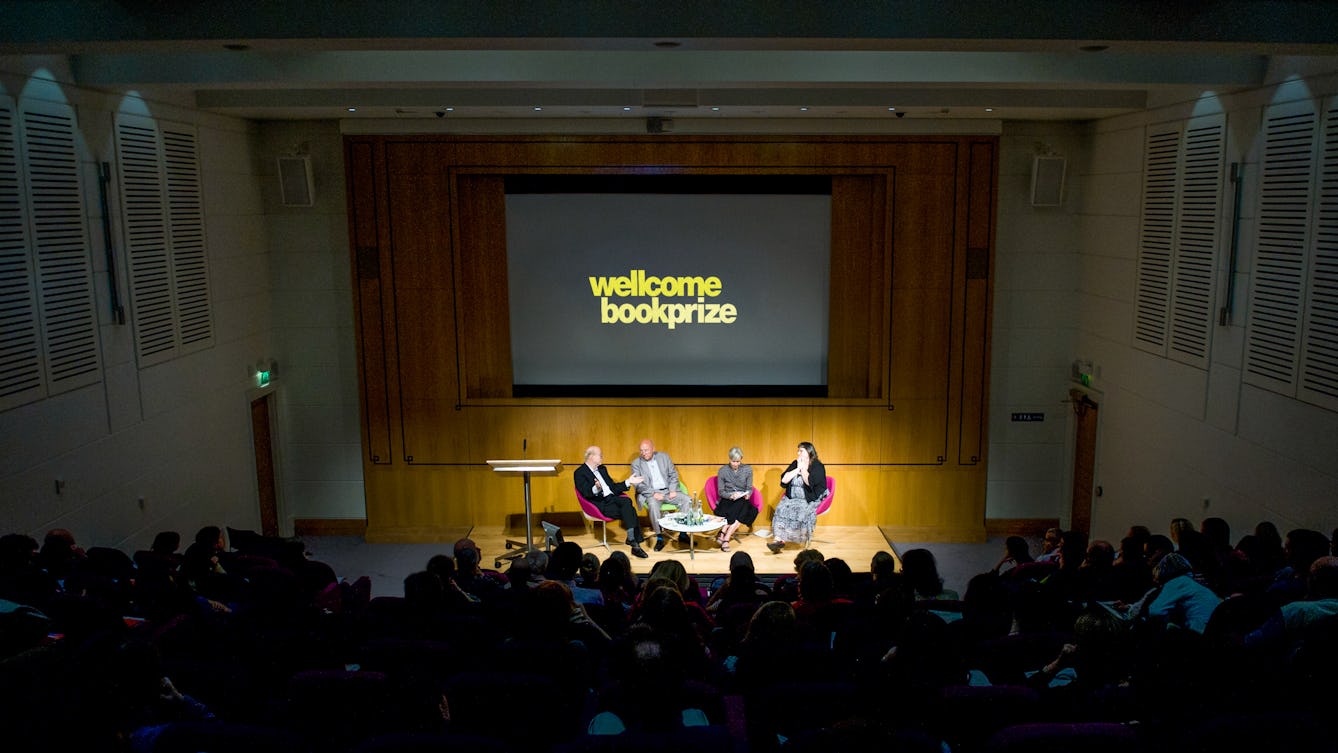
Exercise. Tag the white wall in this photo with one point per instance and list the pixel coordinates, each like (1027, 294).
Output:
(1171, 436)
(177, 434)
(1035, 295)
(319, 433)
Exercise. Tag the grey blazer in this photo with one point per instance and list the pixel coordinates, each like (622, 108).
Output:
(641, 467)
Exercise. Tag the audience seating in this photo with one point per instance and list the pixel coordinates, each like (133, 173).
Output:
(385, 675)
(1084, 737)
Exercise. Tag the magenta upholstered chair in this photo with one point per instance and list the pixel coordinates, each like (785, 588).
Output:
(824, 505)
(712, 494)
(593, 514)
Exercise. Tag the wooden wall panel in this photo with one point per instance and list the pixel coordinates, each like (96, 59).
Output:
(481, 295)
(856, 348)
(916, 432)
(424, 275)
(977, 307)
(909, 327)
(366, 198)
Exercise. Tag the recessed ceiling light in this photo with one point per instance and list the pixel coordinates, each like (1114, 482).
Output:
(538, 109)
(891, 109)
(803, 109)
(715, 109)
(450, 109)
(352, 109)
(989, 109)
(627, 109)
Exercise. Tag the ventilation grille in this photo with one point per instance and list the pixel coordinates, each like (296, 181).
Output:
(59, 238)
(21, 372)
(142, 208)
(1196, 243)
(186, 230)
(163, 221)
(1155, 241)
(1272, 341)
(1319, 364)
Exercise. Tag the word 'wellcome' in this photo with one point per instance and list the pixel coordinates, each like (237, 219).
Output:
(638, 285)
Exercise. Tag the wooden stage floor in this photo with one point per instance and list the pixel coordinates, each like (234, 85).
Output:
(854, 544)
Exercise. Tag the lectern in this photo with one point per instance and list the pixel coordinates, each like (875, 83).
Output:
(523, 468)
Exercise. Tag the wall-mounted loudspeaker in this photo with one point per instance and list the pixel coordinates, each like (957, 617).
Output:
(296, 188)
(1047, 181)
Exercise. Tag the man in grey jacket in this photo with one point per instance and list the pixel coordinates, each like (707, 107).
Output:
(659, 486)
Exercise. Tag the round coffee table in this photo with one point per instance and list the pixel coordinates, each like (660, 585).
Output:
(709, 524)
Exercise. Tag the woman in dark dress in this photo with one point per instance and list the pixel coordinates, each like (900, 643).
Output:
(805, 484)
(734, 484)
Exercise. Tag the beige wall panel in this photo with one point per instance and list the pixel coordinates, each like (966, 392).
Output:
(922, 238)
(933, 498)
(920, 342)
(435, 433)
(416, 499)
(850, 435)
(916, 432)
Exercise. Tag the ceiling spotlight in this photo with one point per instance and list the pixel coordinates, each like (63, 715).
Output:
(450, 109)
(538, 109)
(352, 109)
(715, 109)
(891, 109)
(803, 109)
(989, 109)
(627, 109)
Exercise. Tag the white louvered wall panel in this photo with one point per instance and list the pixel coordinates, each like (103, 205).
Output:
(143, 208)
(1272, 342)
(22, 376)
(59, 236)
(1319, 359)
(190, 269)
(1156, 237)
(1197, 232)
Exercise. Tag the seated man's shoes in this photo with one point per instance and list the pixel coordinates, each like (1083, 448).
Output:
(659, 542)
(639, 552)
(776, 546)
(682, 537)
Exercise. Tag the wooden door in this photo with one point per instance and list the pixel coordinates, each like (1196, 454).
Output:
(1084, 461)
(261, 439)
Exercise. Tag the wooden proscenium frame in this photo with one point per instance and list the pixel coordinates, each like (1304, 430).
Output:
(903, 424)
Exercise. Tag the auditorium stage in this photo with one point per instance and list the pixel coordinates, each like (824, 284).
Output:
(388, 564)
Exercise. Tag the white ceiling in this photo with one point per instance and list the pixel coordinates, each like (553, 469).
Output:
(528, 59)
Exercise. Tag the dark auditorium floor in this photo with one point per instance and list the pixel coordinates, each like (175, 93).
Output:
(388, 564)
